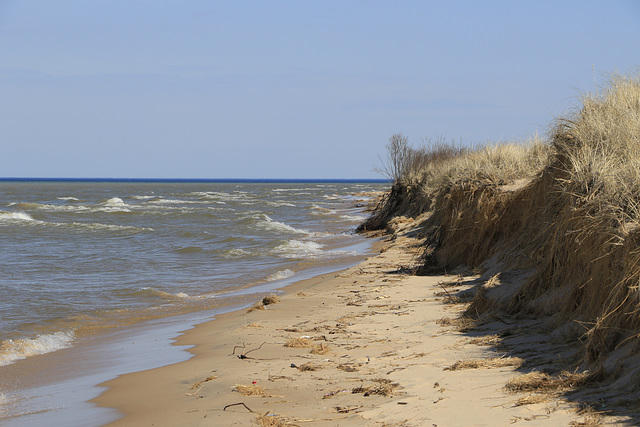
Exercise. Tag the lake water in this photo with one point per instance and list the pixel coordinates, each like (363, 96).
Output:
(85, 259)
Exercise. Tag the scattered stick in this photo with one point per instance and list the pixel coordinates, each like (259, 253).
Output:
(447, 292)
(236, 404)
(243, 355)
(199, 383)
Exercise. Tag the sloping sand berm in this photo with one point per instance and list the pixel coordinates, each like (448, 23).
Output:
(372, 345)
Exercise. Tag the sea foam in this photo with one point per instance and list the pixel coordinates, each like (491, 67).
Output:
(298, 249)
(266, 223)
(115, 204)
(282, 274)
(15, 216)
(12, 350)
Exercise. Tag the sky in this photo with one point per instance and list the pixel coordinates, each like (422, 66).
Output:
(288, 89)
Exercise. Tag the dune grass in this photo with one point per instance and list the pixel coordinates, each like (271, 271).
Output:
(565, 208)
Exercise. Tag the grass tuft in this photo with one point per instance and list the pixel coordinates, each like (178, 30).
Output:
(250, 390)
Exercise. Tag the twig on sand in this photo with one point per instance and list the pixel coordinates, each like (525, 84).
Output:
(243, 355)
(236, 404)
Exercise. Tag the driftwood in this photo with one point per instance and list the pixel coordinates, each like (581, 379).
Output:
(243, 355)
(236, 404)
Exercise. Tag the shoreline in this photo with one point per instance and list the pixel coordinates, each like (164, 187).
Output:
(363, 346)
(53, 386)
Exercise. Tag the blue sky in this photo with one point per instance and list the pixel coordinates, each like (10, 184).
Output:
(287, 89)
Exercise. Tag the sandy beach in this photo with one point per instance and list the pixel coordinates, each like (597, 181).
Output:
(367, 346)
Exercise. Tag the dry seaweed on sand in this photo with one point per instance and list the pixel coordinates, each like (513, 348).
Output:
(309, 366)
(495, 362)
(321, 349)
(591, 418)
(200, 382)
(272, 420)
(383, 387)
(270, 299)
(461, 323)
(532, 399)
(262, 304)
(347, 368)
(301, 342)
(250, 390)
(544, 383)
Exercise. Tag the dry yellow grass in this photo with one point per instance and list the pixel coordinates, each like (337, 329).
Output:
(270, 420)
(496, 362)
(543, 382)
(301, 342)
(383, 387)
(309, 366)
(264, 302)
(321, 349)
(532, 399)
(200, 382)
(250, 390)
(572, 222)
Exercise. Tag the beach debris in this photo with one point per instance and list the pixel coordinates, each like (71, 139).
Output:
(236, 404)
(543, 382)
(250, 390)
(309, 366)
(532, 399)
(280, 377)
(301, 342)
(243, 355)
(321, 349)
(333, 393)
(384, 387)
(347, 368)
(198, 383)
(271, 420)
(270, 299)
(254, 325)
(262, 304)
(495, 362)
(346, 409)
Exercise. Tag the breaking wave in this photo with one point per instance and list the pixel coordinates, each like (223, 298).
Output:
(266, 223)
(12, 350)
(282, 274)
(15, 216)
(298, 249)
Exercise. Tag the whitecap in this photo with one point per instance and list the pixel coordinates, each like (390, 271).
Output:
(298, 249)
(282, 274)
(15, 216)
(163, 294)
(234, 253)
(266, 223)
(12, 350)
(96, 226)
(319, 210)
(115, 204)
(354, 217)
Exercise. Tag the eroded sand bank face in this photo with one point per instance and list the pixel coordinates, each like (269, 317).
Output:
(363, 347)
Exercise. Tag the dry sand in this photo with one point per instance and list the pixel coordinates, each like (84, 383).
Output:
(368, 346)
